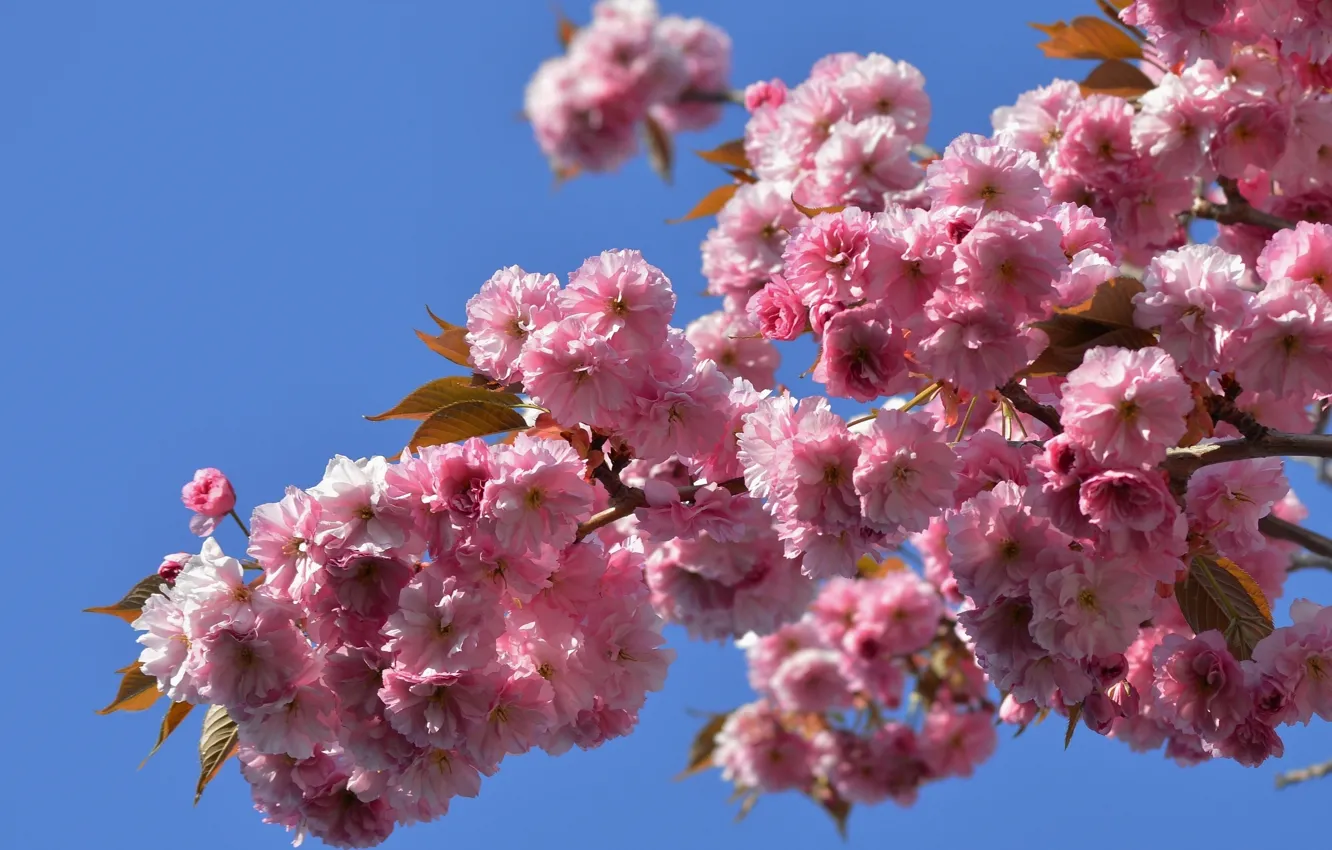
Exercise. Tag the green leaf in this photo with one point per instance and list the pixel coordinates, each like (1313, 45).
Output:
(177, 712)
(1074, 713)
(426, 399)
(137, 691)
(465, 419)
(451, 343)
(217, 743)
(705, 742)
(730, 153)
(1217, 594)
(660, 148)
(711, 204)
(131, 604)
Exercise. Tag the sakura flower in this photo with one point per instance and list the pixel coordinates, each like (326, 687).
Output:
(210, 495)
(538, 495)
(501, 316)
(1126, 407)
(906, 472)
(442, 627)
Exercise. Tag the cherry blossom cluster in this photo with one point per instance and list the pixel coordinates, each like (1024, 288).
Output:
(627, 66)
(409, 626)
(828, 685)
(1237, 107)
(844, 136)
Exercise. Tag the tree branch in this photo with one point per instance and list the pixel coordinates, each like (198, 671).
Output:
(1236, 210)
(1309, 562)
(1018, 397)
(1280, 529)
(1304, 774)
(729, 96)
(1188, 460)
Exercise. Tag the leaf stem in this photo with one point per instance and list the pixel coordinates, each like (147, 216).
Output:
(239, 521)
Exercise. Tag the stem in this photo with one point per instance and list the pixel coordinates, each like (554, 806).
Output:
(1280, 529)
(730, 96)
(1309, 562)
(239, 522)
(1018, 397)
(631, 501)
(1304, 774)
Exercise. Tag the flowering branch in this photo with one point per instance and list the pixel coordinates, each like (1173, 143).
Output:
(1238, 211)
(1185, 461)
(1018, 397)
(1280, 529)
(1304, 774)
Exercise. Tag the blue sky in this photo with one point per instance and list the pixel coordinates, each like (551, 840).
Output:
(221, 223)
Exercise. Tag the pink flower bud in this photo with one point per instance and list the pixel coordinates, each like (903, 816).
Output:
(209, 493)
(765, 93)
(172, 565)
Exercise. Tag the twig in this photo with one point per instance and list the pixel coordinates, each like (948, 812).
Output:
(630, 501)
(1017, 396)
(1280, 529)
(1224, 409)
(1309, 562)
(1304, 774)
(729, 96)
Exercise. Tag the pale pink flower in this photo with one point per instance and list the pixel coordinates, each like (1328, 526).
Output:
(860, 163)
(212, 591)
(1302, 254)
(897, 615)
(210, 495)
(987, 176)
(736, 346)
(1287, 342)
(706, 51)
(166, 647)
(907, 472)
(501, 316)
(1016, 263)
(765, 93)
(620, 297)
(995, 541)
(438, 711)
(1134, 512)
(576, 373)
(914, 256)
(972, 343)
(282, 540)
(356, 514)
(1250, 135)
(877, 85)
(421, 791)
(625, 653)
(305, 723)
(517, 718)
(1225, 501)
(1097, 141)
(811, 680)
(828, 259)
(869, 769)
(682, 418)
(1126, 407)
(754, 750)
(1035, 122)
(340, 818)
(442, 627)
(1295, 663)
(538, 495)
(1193, 295)
(254, 667)
(777, 310)
(1089, 608)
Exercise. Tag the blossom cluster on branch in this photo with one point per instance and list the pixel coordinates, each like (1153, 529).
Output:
(1076, 419)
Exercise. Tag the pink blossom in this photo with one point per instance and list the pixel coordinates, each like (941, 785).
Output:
(736, 346)
(684, 418)
(860, 163)
(765, 93)
(340, 818)
(282, 540)
(864, 356)
(254, 667)
(952, 743)
(620, 297)
(754, 750)
(868, 769)
(503, 314)
(1035, 122)
(538, 495)
(1012, 261)
(576, 373)
(968, 342)
(580, 119)
(1252, 743)
(994, 541)
(1133, 511)
(1287, 341)
(1089, 608)
(1302, 254)
(777, 311)
(915, 257)
(897, 615)
(516, 719)
(706, 51)
(1097, 142)
(1178, 120)
(212, 592)
(296, 729)
(210, 496)
(811, 680)
(906, 473)
(172, 565)
(1294, 664)
(1225, 501)
(1193, 295)
(987, 176)
(422, 790)
(166, 647)
(356, 514)
(625, 653)
(1199, 687)
(1250, 135)
(1126, 407)
(438, 711)
(877, 85)
(442, 627)
(828, 259)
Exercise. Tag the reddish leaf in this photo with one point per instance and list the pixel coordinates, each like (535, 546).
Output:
(660, 148)
(137, 691)
(565, 29)
(426, 399)
(465, 419)
(1105, 319)
(727, 153)
(1118, 78)
(813, 211)
(741, 175)
(451, 342)
(705, 742)
(217, 743)
(177, 712)
(711, 204)
(131, 604)
(1074, 713)
(1087, 38)
(1217, 594)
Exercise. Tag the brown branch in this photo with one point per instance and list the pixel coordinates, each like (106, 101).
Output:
(1236, 210)
(1018, 397)
(729, 96)
(1280, 529)
(1304, 774)
(631, 501)
(1185, 461)
(1309, 562)
(1224, 409)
